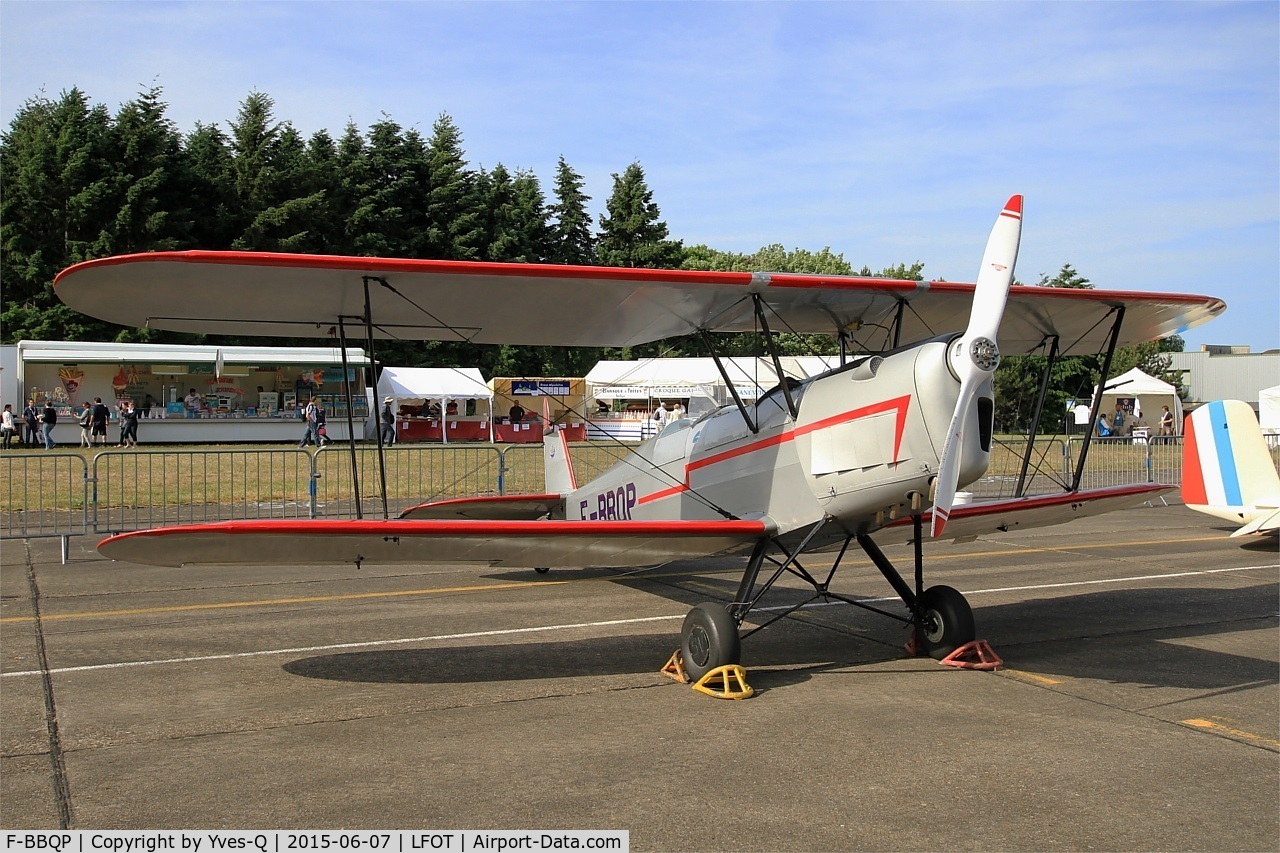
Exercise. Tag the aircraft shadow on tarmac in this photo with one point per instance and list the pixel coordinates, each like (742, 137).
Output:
(1136, 636)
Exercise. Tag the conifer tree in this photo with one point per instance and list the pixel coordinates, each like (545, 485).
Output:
(210, 188)
(57, 203)
(151, 207)
(632, 233)
(453, 208)
(570, 237)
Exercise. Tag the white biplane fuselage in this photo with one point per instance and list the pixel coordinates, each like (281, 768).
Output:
(867, 437)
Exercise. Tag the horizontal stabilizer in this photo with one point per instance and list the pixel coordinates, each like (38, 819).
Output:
(490, 508)
(1264, 522)
(527, 544)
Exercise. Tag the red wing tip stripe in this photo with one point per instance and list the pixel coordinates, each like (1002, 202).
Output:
(1013, 207)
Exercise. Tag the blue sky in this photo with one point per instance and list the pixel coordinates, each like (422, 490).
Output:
(1145, 136)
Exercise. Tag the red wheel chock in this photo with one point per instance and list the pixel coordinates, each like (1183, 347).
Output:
(975, 655)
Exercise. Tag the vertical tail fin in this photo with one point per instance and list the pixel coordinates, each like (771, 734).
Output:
(556, 465)
(1225, 461)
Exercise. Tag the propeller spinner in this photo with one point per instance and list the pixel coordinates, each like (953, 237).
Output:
(974, 356)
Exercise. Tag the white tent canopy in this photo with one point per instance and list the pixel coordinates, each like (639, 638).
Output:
(1269, 410)
(421, 384)
(1149, 395)
(659, 378)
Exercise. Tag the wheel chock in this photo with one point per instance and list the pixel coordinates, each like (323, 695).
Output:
(725, 682)
(975, 655)
(674, 668)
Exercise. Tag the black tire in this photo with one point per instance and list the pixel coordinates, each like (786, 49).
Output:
(542, 570)
(708, 639)
(946, 621)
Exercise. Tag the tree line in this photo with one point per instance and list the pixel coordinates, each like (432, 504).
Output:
(81, 183)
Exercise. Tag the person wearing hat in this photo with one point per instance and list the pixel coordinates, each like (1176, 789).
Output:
(388, 421)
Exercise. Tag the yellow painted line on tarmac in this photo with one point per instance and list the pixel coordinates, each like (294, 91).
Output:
(1218, 728)
(272, 602)
(358, 596)
(1031, 676)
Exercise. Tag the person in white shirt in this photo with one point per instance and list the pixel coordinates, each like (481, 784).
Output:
(193, 404)
(660, 416)
(6, 425)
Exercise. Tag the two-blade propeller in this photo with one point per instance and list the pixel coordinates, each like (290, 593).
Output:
(974, 356)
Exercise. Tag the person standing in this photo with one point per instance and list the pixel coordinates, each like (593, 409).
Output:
(388, 422)
(48, 420)
(86, 421)
(31, 419)
(322, 424)
(309, 417)
(128, 424)
(98, 428)
(192, 401)
(1166, 422)
(660, 416)
(7, 425)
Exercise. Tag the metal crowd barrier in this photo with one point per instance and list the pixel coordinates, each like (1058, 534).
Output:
(60, 494)
(44, 495)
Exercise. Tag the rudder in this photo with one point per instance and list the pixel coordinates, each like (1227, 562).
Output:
(1225, 461)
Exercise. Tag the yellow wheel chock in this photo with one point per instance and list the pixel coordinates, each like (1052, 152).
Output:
(723, 682)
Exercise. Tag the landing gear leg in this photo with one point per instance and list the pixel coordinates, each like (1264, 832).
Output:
(941, 619)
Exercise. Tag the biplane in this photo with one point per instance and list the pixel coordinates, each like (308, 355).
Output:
(874, 449)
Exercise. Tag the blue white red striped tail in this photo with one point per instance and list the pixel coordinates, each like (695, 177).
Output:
(1227, 470)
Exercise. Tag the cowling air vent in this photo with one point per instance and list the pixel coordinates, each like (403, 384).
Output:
(866, 369)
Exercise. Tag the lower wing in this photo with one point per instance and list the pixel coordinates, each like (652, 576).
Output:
(520, 543)
(1001, 516)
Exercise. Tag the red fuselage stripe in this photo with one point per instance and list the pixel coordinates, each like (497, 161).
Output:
(900, 404)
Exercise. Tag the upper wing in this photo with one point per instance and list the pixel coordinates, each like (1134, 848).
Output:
(281, 295)
(529, 544)
(988, 517)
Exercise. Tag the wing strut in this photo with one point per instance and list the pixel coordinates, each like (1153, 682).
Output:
(724, 374)
(897, 322)
(1097, 398)
(773, 353)
(1035, 421)
(351, 406)
(373, 365)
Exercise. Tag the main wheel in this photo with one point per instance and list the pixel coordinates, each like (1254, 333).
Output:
(946, 621)
(542, 570)
(708, 639)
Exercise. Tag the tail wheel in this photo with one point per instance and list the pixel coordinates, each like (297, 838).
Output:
(945, 621)
(709, 639)
(542, 570)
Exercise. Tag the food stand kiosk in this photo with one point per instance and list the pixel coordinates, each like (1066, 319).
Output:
(438, 403)
(246, 394)
(622, 395)
(564, 399)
